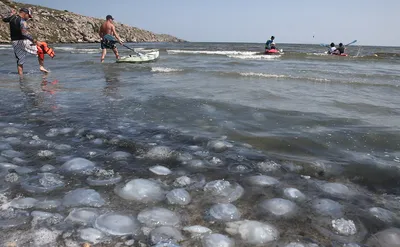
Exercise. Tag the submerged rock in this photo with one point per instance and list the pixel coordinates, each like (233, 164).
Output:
(44, 236)
(142, 190)
(214, 240)
(43, 183)
(279, 207)
(165, 234)
(388, 238)
(83, 197)
(83, 216)
(160, 170)
(224, 212)
(103, 178)
(159, 217)
(223, 191)
(159, 153)
(178, 196)
(117, 224)
(78, 166)
(253, 232)
(344, 227)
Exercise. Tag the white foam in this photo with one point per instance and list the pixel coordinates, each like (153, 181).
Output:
(255, 57)
(253, 74)
(164, 70)
(224, 53)
(265, 75)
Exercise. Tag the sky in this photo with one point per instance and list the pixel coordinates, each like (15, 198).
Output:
(371, 22)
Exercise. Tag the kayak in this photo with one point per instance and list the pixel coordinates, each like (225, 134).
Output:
(146, 56)
(272, 51)
(343, 54)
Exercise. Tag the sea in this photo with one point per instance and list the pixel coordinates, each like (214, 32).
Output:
(296, 149)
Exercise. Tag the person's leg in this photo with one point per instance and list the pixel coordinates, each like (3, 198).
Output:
(41, 65)
(115, 50)
(103, 55)
(20, 70)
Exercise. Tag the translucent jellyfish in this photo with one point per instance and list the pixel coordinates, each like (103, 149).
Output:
(120, 155)
(213, 240)
(91, 235)
(327, 207)
(178, 196)
(224, 212)
(388, 238)
(197, 230)
(165, 234)
(219, 146)
(336, 189)
(253, 232)
(159, 217)
(11, 154)
(78, 166)
(383, 215)
(262, 181)
(294, 194)
(223, 191)
(279, 207)
(83, 197)
(43, 183)
(160, 170)
(83, 216)
(142, 190)
(13, 218)
(23, 203)
(117, 224)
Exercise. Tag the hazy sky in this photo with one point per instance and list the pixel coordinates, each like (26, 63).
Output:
(371, 22)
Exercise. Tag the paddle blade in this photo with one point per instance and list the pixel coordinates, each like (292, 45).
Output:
(324, 45)
(354, 41)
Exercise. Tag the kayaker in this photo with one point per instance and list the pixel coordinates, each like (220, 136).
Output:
(22, 41)
(269, 43)
(332, 48)
(109, 28)
(340, 49)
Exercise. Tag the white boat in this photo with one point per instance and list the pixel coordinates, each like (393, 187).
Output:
(143, 57)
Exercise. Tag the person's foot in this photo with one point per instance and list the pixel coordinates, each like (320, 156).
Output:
(101, 60)
(43, 69)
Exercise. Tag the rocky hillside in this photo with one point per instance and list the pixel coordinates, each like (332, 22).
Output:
(55, 26)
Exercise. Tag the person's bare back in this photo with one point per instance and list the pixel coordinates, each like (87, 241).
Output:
(107, 28)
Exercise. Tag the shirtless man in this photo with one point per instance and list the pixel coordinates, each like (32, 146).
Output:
(107, 33)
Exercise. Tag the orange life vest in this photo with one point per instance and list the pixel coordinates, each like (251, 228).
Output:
(42, 49)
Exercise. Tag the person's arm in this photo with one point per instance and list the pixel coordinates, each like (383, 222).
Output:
(101, 34)
(7, 18)
(25, 32)
(116, 34)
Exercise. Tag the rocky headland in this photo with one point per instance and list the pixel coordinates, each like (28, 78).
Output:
(56, 26)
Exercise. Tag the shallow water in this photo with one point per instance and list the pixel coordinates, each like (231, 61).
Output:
(327, 126)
